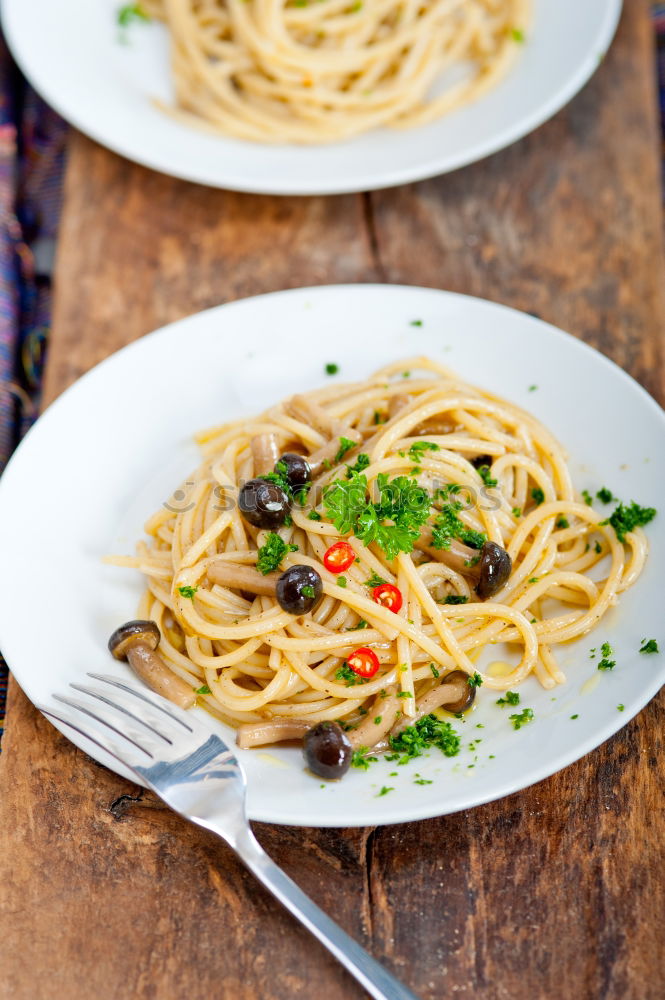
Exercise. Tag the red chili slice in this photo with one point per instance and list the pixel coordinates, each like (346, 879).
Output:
(339, 557)
(363, 662)
(388, 596)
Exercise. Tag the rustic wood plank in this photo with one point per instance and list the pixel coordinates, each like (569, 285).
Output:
(554, 892)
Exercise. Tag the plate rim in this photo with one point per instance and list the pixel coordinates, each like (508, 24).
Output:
(503, 787)
(434, 167)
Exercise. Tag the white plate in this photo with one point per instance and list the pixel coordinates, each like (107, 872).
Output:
(112, 448)
(69, 50)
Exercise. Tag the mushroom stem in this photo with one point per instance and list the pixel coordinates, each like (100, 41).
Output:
(311, 413)
(150, 667)
(230, 574)
(257, 734)
(397, 403)
(265, 452)
(445, 694)
(462, 558)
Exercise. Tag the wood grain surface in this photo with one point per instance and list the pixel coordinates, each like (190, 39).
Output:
(555, 892)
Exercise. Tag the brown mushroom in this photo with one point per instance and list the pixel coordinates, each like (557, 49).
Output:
(136, 642)
(277, 730)
(265, 452)
(454, 694)
(298, 589)
(488, 568)
(239, 577)
(309, 412)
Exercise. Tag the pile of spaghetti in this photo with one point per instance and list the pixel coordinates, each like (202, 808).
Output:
(415, 477)
(325, 70)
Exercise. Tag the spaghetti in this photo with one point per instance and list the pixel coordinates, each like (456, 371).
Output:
(269, 71)
(418, 477)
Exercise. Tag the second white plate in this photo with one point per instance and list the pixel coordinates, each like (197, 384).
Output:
(71, 53)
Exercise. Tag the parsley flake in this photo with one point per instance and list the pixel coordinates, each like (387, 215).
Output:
(626, 518)
(511, 698)
(272, 553)
(331, 368)
(475, 681)
(649, 646)
(521, 719)
(203, 690)
(188, 592)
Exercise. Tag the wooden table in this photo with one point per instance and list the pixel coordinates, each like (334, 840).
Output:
(555, 892)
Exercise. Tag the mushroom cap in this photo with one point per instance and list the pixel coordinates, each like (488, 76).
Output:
(464, 703)
(495, 568)
(127, 635)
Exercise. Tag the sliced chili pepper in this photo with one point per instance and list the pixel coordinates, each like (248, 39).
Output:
(363, 662)
(339, 557)
(388, 596)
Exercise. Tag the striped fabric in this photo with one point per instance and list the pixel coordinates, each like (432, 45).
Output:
(32, 139)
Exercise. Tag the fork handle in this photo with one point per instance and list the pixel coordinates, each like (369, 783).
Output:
(378, 982)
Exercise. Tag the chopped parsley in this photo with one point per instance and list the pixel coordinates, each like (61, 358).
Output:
(448, 526)
(331, 368)
(621, 708)
(188, 592)
(517, 511)
(416, 322)
(562, 522)
(532, 388)
(427, 732)
(422, 781)
(272, 553)
(361, 463)
(537, 495)
(345, 444)
(649, 646)
(418, 448)
(203, 690)
(435, 672)
(393, 522)
(455, 599)
(518, 35)
(374, 581)
(377, 720)
(361, 624)
(379, 418)
(405, 694)
(574, 716)
(588, 499)
(308, 590)
(341, 581)
(313, 516)
(475, 681)
(485, 474)
(606, 651)
(359, 758)
(625, 518)
(131, 12)
(598, 548)
(521, 719)
(384, 791)
(345, 673)
(605, 495)
(511, 698)
(279, 476)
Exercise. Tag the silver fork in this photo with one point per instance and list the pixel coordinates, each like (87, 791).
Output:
(198, 776)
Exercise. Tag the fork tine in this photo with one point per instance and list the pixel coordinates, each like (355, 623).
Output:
(167, 708)
(142, 740)
(130, 707)
(127, 755)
